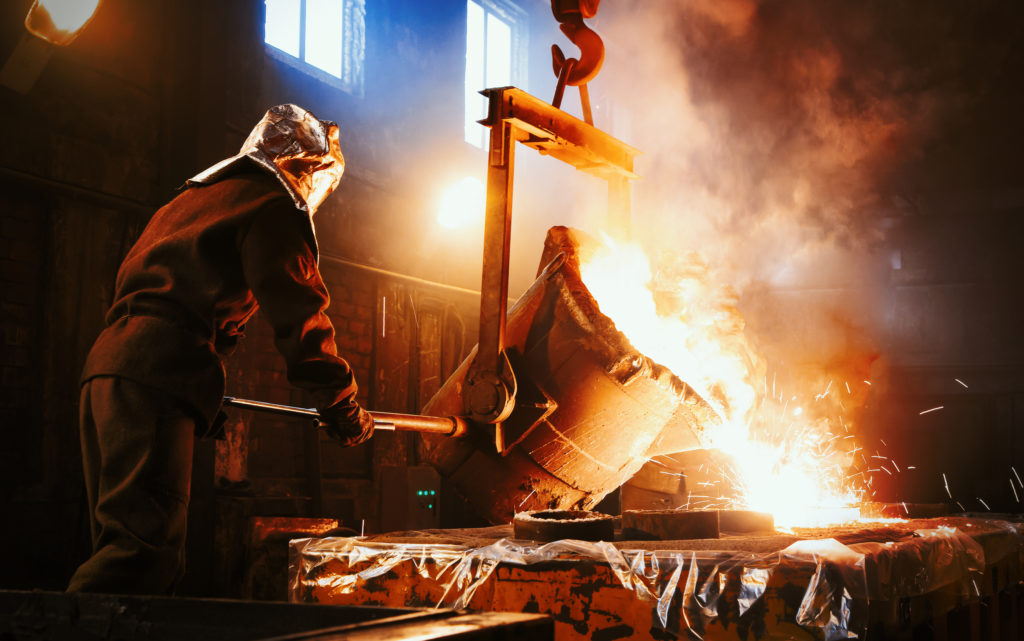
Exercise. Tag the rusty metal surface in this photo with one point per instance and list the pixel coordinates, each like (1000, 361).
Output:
(32, 616)
(895, 578)
(608, 404)
(53, 615)
(489, 388)
(554, 132)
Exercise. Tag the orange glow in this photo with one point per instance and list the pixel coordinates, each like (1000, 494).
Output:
(788, 456)
(59, 21)
(462, 204)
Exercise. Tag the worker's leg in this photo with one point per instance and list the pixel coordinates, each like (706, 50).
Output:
(90, 456)
(137, 448)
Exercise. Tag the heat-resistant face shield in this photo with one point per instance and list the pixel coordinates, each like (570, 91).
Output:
(301, 151)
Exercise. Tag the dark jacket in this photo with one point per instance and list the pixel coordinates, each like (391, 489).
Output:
(201, 268)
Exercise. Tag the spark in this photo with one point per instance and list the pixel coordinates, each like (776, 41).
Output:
(1017, 475)
(847, 388)
(1014, 491)
(868, 383)
(825, 393)
(976, 590)
(961, 382)
(911, 467)
(886, 470)
(905, 510)
(984, 503)
(945, 482)
(934, 409)
(884, 458)
(897, 467)
(961, 506)
(362, 528)
(883, 442)
(528, 497)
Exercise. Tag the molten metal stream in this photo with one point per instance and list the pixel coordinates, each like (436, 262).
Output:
(787, 461)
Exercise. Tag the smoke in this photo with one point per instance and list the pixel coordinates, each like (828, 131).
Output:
(775, 131)
(783, 139)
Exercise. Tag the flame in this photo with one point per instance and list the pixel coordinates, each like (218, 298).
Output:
(787, 456)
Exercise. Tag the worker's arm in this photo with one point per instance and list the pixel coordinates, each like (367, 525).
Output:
(280, 268)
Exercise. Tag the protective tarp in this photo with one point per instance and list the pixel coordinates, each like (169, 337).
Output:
(831, 583)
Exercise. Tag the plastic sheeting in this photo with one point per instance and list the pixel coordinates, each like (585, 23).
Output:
(842, 578)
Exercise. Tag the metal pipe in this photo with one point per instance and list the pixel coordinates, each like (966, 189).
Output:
(390, 274)
(101, 198)
(443, 425)
(454, 426)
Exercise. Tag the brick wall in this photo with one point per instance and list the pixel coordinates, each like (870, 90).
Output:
(22, 249)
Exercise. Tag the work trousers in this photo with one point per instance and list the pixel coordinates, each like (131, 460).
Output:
(137, 457)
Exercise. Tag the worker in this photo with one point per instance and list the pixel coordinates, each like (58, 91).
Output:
(239, 237)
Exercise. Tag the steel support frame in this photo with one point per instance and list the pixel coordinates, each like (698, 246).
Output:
(514, 115)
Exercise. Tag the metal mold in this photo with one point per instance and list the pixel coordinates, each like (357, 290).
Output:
(670, 525)
(745, 521)
(557, 525)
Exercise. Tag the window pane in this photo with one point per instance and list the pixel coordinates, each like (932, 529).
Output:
(499, 52)
(323, 35)
(282, 26)
(476, 104)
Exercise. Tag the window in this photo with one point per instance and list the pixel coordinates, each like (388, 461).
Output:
(495, 56)
(325, 38)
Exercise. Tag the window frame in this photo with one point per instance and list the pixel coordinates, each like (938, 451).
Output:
(353, 49)
(518, 20)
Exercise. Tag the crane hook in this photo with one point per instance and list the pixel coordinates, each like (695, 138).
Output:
(577, 71)
(570, 13)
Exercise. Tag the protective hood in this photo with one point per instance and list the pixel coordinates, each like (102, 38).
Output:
(302, 152)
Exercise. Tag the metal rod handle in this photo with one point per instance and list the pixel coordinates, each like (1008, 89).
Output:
(446, 426)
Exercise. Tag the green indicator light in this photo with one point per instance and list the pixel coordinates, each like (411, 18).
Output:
(432, 492)
(430, 507)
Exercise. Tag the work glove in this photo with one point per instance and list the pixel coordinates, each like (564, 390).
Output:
(347, 423)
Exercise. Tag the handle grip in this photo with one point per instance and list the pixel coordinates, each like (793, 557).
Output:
(454, 426)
